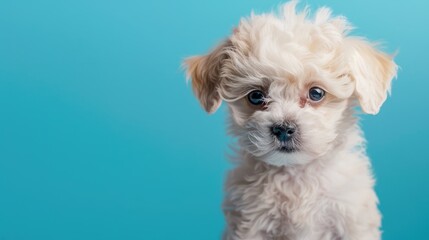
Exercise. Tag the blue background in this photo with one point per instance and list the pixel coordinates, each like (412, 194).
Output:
(101, 138)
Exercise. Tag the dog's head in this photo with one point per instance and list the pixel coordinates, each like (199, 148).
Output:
(291, 82)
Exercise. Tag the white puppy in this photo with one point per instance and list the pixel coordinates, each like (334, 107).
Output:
(292, 84)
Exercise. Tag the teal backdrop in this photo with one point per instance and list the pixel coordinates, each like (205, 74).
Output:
(101, 138)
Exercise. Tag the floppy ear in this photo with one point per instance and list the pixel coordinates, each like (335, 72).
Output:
(205, 72)
(372, 71)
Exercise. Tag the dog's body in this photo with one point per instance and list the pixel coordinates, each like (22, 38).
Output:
(329, 198)
(292, 85)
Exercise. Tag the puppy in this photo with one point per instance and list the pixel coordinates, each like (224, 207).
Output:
(292, 84)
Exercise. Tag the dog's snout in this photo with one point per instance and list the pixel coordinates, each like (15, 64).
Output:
(283, 132)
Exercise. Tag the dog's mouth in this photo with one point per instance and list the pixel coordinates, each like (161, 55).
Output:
(287, 149)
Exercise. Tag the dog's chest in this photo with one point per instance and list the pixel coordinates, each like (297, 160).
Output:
(283, 206)
(299, 208)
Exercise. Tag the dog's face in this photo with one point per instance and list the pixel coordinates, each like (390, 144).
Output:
(291, 83)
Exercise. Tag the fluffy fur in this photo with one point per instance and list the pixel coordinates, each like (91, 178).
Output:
(324, 189)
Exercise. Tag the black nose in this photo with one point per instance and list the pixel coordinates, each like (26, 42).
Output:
(283, 132)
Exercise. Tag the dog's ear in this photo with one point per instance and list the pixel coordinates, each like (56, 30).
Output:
(205, 73)
(372, 71)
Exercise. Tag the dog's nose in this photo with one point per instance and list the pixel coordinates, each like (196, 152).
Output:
(283, 132)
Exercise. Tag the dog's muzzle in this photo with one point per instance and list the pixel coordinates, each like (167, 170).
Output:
(285, 134)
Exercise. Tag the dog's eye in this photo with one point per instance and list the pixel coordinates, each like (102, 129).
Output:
(256, 97)
(316, 94)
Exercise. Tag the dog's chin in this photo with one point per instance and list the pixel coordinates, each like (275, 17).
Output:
(287, 156)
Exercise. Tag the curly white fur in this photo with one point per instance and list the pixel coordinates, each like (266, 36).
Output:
(324, 189)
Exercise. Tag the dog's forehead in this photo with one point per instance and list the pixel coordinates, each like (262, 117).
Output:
(285, 67)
